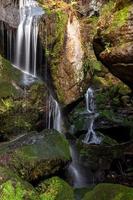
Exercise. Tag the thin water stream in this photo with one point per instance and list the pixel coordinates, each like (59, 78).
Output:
(91, 136)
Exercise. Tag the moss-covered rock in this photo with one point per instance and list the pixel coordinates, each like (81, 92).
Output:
(55, 189)
(113, 41)
(16, 190)
(13, 187)
(110, 191)
(100, 157)
(8, 79)
(22, 107)
(36, 155)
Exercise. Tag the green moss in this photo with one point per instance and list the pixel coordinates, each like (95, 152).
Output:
(119, 18)
(21, 114)
(8, 76)
(55, 189)
(92, 65)
(38, 158)
(107, 141)
(16, 191)
(56, 53)
(110, 192)
(114, 15)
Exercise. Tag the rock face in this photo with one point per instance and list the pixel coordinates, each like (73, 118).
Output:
(36, 155)
(113, 43)
(89, 7)
(70, 72)
(9, 12)
(64, 52)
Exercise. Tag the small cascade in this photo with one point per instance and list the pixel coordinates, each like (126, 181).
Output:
(91, 137)
(81, 176)
(94, 7)
(27, 36)
(54, 118)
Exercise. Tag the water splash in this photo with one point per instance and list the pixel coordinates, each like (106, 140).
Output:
(27, 36)
(55, 117)
(91, 137)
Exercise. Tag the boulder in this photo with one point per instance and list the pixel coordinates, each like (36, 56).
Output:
(55, 188)
(36, 155)
(113, 44)
(23, 106)
(65, 52)
(17, 190)
(109, 191)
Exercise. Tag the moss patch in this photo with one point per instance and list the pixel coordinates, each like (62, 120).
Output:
(16, 191)
(55, 189)
(36, 155)
(110, 192)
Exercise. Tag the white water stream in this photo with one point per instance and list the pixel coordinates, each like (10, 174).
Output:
(27, 36)
(91, 137)
(55, 117)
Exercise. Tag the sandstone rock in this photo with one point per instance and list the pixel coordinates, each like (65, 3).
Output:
(65, 52)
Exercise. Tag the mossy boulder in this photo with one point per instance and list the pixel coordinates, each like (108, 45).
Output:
(16, 190)
(113, 41)
(36, 155)
(55, 189)
(9, 78)
(23, 107)
(109, 191)
(100, 157)
(13, 187)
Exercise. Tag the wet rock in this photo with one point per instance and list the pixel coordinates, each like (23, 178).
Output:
(36, 155)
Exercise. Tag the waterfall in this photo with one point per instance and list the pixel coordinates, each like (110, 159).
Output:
(27, 36)
(54, 118)
(91, 137)
(26, 53)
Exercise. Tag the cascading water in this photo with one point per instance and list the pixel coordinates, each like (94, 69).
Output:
(55, 118)
(27, 36)
(91, 137)
(26, 53)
